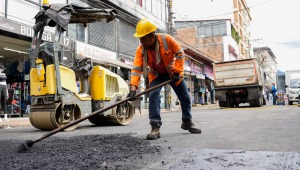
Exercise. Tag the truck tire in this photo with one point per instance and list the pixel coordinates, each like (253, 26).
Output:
(257, 102)
(264, 101)
(222, 103)
(290, 102)
(251, 102)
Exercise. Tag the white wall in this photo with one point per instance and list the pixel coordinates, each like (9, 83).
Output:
(228, 40)
(22, 11)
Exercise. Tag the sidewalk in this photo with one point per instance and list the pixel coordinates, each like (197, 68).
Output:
(24, 121)
(15, 122)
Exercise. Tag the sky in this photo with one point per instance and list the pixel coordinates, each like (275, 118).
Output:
(275, 24)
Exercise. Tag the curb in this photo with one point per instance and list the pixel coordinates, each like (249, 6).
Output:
(24, 121)
(18, 122)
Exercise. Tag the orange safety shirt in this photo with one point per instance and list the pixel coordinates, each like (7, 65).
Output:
(170, 53)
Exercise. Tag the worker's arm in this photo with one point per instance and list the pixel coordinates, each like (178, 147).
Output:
(178, 54)
(137, 69)
(133, 87)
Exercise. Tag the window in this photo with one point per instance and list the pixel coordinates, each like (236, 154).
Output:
(163, 11)
(78, 2)
(148, 5)
(159, 9)
(76, 32)
(212, 28)
(57, 1)
(154, 7)
(2, 8)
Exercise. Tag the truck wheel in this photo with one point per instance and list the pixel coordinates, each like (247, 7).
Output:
(290, 102)
(257, 102)
(251, 102)
(222, 103)
(264, 101)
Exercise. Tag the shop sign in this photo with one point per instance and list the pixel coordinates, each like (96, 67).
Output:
(27, 31)
(88, 51)
(196, 68)
(209, 72)
(128, 62)
(200, 76)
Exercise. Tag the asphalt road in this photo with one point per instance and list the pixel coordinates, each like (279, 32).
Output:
(233, 138)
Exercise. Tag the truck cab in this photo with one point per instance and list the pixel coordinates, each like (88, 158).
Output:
(293, 90)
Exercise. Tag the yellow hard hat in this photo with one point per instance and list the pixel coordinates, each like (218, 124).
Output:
(144, 27)
(45, 2)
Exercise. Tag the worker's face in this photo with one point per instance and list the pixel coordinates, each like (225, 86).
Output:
(148, 41)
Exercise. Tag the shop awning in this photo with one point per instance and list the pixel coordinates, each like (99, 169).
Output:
(113, 63)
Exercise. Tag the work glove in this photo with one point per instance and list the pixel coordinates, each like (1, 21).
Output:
(175, 77)
(131, 95)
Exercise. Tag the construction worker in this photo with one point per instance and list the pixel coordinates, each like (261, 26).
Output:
(165, 58)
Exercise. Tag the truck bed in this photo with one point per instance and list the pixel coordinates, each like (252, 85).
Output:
(236, 73)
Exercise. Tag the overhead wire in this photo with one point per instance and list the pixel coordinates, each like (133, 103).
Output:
(213, 24)
(199, 18)
(235, 11)
(200, 52)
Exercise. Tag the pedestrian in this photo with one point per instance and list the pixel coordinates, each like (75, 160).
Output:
(212, 94)
(274, 90)
(3, 93)
(267, 94)
(165, 58)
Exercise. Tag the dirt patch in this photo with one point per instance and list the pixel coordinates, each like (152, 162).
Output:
(118, 151)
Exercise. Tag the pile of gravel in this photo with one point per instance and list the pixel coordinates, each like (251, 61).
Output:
(118, 151)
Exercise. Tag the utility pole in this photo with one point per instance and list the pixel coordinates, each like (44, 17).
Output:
(170, 17)
(168, 93)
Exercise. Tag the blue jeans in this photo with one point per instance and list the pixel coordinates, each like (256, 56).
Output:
(274, 98)
(154, 100)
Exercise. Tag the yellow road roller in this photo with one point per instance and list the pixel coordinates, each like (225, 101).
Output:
(56, 99)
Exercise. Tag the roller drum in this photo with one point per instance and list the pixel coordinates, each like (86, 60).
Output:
(46, 117)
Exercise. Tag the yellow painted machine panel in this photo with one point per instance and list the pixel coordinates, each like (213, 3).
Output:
(106, 84)
(68, 79)
(38, 88)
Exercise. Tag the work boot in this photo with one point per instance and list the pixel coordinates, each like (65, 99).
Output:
(154, 134)
(189, 125)
(5, 117)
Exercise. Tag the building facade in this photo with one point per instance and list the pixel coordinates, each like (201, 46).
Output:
(242, 19)
(267, 60)
(237, 11)
(213, 38)
(114, 41)
(198, 68)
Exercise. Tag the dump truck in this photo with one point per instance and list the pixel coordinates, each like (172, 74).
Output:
(239, 81)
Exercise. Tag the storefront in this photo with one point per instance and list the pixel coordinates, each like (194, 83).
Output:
(200, 77)
(209, 82)
(15, 42)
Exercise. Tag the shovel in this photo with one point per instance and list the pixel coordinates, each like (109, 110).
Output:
(27, 144)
